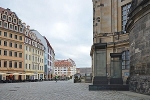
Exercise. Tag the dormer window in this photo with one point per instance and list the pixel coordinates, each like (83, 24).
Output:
(33, 43)
(11, 26)
(4, 17)
(6, 12)
(26, 40)
(19, 22)
(29, 41)
(15, 20)
(21, 30)
(13, 15)
(16, 28)
(5, 25)
(9, 19)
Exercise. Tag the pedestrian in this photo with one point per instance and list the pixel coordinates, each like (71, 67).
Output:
(56, 77)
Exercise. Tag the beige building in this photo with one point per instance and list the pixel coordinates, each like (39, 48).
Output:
(65, 67)
(110, 49)
(11, 46)
(34, 56)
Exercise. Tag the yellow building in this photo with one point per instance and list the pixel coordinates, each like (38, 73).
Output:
(11, 46)
(34, 56)
(110, 40)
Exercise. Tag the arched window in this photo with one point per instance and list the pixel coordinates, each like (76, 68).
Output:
(126, 60)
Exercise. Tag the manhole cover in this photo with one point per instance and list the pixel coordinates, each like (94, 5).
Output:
(16, 87)
(12, 90)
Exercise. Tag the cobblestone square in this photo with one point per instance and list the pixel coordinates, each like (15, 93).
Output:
(62, 90)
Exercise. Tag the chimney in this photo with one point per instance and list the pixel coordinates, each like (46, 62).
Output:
(8, 9)
(28, 27)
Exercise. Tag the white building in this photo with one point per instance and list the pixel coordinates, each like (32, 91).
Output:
(65, 67)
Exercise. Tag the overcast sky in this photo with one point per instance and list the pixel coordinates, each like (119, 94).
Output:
(67, 24)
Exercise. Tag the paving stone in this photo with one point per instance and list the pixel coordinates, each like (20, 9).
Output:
(62, 90)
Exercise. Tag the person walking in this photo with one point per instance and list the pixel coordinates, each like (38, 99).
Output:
(56, 77)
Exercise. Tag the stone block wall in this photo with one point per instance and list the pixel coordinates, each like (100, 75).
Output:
(140, 84)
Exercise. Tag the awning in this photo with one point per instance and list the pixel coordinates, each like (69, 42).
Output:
(30, 74)
(2, 73)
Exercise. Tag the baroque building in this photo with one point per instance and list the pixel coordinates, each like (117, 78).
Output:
(34, 56)
(110, 49)
(11, 46)
(138, 26)
(65, 67)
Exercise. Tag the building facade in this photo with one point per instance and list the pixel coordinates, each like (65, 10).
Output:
(84, 71)
(49, 60)
(34, 56)
(65, 67)
(11, 46)
(110, 49)
(138, 26)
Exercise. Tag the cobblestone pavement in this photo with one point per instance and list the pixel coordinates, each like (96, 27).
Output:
(62, 90)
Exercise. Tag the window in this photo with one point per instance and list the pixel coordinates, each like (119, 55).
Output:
(10, 53)
(9, 19)
(15, 65)
(0, 42)
(20, 46)
(20, 37)
(29, 57)
(5, 43)
(20, 55)
(26, 57)
(33, 58)
(10, 35)
(15, 20)
(33, 67)
(20, 64)
(15, 54)
(15, 27)
(29, 49)
(0, 33)
(15, 37)
(10, 44)
(10, 63)
(5, 34)
(0, 23)
(5, 52)
(5, 63)
(0, 63)
(10, 26)
(15, 45)
(20, 29)
(5, 25)
(125, 60)
(125, 11)
(33, 50)
(26, 48)
(4, 17)
(29, 66)
(26, 66)
(0, 52)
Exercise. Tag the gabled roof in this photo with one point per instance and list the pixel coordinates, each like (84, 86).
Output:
(8, 10)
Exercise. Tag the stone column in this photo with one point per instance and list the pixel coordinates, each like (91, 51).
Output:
(116, 68)
(100, 69)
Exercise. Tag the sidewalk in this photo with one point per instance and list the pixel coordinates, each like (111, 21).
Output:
(146, 97)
